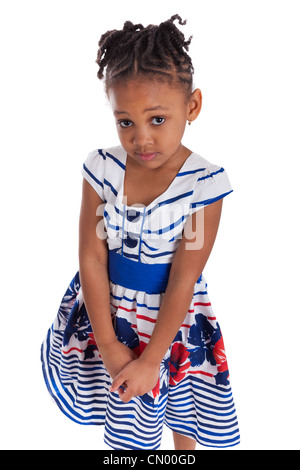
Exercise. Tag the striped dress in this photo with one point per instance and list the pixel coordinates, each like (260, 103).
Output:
(193, 395)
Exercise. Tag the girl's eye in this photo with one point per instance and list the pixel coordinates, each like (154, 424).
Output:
(125, 123)
(157, 121)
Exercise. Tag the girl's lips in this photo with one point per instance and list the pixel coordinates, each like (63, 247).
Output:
(147, 156)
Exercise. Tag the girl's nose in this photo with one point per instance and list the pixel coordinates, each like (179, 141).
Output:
(142, 137)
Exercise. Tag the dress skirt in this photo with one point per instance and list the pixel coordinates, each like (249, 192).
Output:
(193, 395)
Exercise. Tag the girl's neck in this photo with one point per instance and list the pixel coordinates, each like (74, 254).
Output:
(144, 185)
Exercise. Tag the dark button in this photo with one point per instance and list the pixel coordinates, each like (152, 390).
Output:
(130, 242)
(133, 215)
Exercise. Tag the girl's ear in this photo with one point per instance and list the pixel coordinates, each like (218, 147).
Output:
(194, 105)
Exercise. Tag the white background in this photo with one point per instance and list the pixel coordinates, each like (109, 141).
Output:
(53, 112)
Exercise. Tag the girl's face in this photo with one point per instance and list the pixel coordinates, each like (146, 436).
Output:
(151, 119)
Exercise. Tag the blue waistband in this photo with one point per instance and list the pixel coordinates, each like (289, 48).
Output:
(150, 278)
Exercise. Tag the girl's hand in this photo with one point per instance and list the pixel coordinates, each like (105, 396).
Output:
(116, 356)
(136, 379)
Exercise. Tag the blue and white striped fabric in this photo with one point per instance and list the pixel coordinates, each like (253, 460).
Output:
(193, 395)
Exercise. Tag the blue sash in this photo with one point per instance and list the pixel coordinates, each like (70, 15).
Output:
(150, 278)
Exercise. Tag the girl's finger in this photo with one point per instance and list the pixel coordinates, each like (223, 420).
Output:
(125, 394)
(117, 383)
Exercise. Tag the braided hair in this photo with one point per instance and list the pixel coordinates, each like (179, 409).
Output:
(146, 52)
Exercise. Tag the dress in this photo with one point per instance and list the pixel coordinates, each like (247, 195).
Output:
(193, 395)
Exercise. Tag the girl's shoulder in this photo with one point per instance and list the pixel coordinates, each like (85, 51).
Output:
(197, 162)
(100, 156)
(210, 181)
(104, 167)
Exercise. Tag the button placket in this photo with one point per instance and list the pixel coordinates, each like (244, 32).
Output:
(132, 227)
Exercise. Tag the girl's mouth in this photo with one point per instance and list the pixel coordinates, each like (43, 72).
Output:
(147, 156)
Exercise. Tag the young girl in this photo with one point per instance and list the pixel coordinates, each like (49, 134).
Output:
(136, 344)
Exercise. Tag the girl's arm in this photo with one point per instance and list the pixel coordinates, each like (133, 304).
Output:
(93, 270)
(141, 375)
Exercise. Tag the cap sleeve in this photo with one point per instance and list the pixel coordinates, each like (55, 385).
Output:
(212, 184)
(93, 171)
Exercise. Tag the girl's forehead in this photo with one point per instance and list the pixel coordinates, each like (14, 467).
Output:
(150, 93)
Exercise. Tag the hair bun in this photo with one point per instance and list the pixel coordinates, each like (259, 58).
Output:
(180, 20)
(129, 26)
